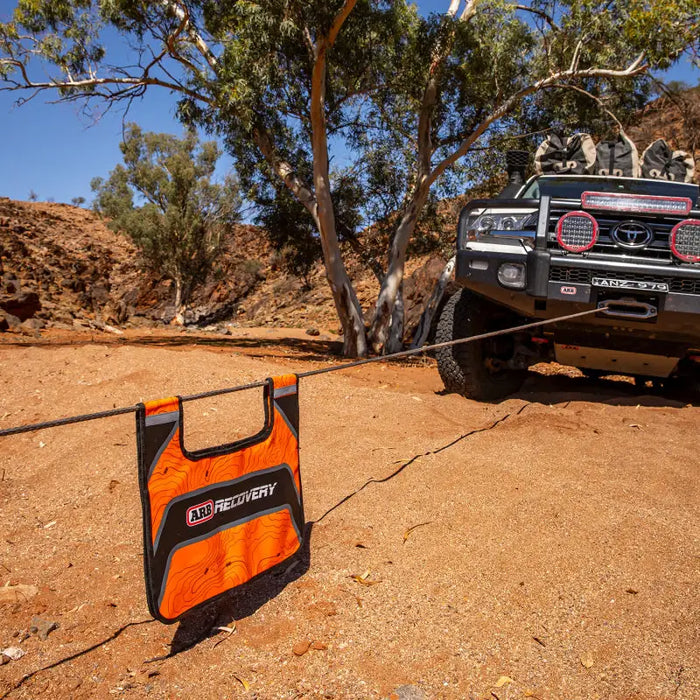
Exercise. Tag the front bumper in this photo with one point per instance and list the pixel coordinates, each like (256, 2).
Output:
(582, 281)
(557, 284)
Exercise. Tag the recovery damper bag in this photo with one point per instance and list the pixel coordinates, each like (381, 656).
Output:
(617, 157)
(660, 161)
(215, 518)
(559, 155)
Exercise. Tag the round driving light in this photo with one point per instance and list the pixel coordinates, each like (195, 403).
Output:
(577, 231)
(685, 240)
(512, 275)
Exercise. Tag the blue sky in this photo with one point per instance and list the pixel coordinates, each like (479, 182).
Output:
(54, 151)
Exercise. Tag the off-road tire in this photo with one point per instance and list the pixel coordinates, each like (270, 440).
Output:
(463, 368)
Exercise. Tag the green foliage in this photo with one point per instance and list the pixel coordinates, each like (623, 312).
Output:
(291, 231)
(497, 54)
(266, 66)
(163, 197)
(385, 51)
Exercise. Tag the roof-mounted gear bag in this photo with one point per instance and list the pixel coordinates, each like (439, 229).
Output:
(215, 518)
(660, 161)
(617, 158)
(559, 155)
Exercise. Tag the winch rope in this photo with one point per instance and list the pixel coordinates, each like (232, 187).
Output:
(311, 373)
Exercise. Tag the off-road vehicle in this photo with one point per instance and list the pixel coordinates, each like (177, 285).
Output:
(558, 244)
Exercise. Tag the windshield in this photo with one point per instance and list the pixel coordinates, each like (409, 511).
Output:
(572, 186)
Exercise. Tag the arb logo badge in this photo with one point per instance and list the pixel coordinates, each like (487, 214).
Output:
(200, 513)
(568, 290)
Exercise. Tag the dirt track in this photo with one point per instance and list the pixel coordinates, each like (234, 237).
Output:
(557, 540)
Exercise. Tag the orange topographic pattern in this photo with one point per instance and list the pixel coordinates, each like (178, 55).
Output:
(218, 517)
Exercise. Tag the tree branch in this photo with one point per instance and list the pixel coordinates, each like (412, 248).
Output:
(319, 139)
(86, 85)
(452, 9)
(595, 98)
(182, 13)
(432, 88)
(633, 68)
(577, 55)
(338, 22)
(469, 11)
(309, 43)
(540, 13)
(284, 170)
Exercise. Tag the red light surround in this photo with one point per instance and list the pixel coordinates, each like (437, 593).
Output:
(577, 231)
(637, 203)
(685, 240)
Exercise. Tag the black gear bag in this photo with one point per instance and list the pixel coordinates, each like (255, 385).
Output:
(561, 155)
(617, 157)
(659, 161)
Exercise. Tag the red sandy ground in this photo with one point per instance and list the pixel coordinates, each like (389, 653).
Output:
(555, 538)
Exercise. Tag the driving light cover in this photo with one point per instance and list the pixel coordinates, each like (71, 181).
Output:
(577, 231)
(685, 240)
(637, 203)
(512, 275)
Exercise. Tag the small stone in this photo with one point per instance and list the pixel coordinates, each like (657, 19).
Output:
(313, 331)
(17, 593)
(300, 648)
(13, 653)
(42, 628)
(9, 322)
(408, 692)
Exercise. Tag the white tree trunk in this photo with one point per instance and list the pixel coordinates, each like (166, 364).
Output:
(380, 332)
(320, 205)
(394, 341)
(180, 306)
(426, 319)
(391, 284)
(346, 302)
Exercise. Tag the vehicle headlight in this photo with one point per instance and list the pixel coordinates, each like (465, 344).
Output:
(485, 222)
(489, 222)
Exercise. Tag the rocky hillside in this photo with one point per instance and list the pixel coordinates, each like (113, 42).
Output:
(676, 118)
(61, 267)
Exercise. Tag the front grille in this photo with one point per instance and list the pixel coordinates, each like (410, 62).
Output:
(570, 274)
(582, 276)
(658, 250)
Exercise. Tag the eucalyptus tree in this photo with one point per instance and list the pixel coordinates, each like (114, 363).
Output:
(164, 198)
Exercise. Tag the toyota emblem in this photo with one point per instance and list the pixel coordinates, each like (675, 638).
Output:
(632, 234)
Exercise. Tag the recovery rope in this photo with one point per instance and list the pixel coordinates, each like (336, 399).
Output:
(311, 373)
